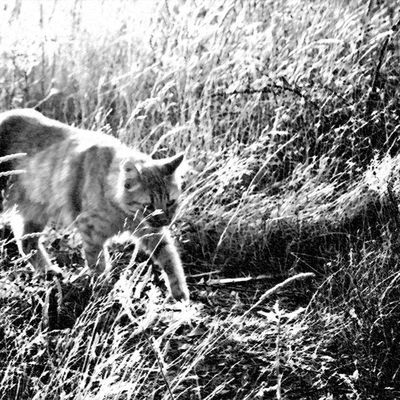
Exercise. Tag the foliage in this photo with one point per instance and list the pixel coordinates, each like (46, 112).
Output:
(289, 112)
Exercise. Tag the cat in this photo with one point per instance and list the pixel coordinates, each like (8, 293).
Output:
(91, 181)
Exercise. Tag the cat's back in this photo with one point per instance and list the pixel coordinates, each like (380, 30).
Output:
(57, 159)
(28, 131)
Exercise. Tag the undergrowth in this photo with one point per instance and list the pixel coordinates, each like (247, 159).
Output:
(289, 115)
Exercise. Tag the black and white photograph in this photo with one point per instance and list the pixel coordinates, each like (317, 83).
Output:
(199, 199)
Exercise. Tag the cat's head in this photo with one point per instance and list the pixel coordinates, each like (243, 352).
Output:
(151, 188)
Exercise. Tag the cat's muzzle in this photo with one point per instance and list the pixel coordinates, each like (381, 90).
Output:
(158, 221)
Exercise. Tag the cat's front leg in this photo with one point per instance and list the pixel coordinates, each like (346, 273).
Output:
(94, 235)
(160, 245)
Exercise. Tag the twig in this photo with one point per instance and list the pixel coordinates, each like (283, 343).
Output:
(204, 274)
(372, 93)
(268, 88)
(382, 53)
(239, 280)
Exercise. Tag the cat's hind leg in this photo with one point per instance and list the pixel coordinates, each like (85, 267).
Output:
(27, 234)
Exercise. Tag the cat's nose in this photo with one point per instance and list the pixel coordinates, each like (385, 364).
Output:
(158, 221)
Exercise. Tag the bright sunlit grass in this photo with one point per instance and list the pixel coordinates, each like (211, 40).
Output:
(289, 115)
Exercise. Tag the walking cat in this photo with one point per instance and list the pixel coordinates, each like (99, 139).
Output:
(93, 181)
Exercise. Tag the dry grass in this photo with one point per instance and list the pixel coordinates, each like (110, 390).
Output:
(289, 112)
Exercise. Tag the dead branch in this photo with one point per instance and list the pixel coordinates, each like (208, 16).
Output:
(226, 281)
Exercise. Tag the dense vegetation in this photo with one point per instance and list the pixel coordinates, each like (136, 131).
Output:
(289, 112)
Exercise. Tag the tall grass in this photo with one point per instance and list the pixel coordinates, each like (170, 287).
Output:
(289, 112)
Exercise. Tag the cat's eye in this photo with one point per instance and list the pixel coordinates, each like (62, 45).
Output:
(148, 207)
(127, 185)
(171, 203)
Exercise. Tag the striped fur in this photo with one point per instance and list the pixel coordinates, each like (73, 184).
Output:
(90, 180)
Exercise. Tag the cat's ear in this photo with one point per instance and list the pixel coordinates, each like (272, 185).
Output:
(169, 165)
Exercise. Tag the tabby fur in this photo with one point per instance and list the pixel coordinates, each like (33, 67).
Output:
(92, 181)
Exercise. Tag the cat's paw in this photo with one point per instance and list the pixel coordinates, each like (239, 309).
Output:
(46, 270)
(180, 292)
(52, 271)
